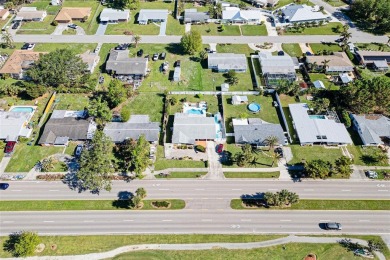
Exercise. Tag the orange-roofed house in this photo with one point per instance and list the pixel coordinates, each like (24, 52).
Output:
(4, 13)
(69, 14)
(19, 62)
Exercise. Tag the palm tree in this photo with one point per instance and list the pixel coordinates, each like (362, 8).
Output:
(292, 198)
(218, 10)
(275, 158)
(271, 141)
(6, 37)
(345, 27)
(141, 192)
(269, 198)
(325, 65)
(314, 65)
(233, 80)
(136, 39)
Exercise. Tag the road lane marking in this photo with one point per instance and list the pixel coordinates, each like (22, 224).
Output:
(345, 190)
(199, 189)
(285, 220)
(364, 220)
(166, 220)
(308, 189)
(163, 189)
(246, 220)
(48, 221)
(10, 221)
(236, 189)
(89, 221)
(207, 220)
(128, 220)
(53, 190)
(383, 190)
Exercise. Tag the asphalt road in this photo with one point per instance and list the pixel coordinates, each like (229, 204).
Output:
(206, 39)
(202, 189)
(188, 221)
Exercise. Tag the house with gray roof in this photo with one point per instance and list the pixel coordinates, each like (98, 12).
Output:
(372, 128)
(109, 15)
(254, 131)
(194, 17)
(152, 15)
(337, 63)
(317, 129)
(136, 126)
(64, 126)
(120, 64)
(189, 128)
(378, 60)
(276, 68)
(28, 14)
(301, 14)
(223, 62)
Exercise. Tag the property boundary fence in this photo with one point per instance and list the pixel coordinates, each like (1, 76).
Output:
(279, 108)
(229, 93)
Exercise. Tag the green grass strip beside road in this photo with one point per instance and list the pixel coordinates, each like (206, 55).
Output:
(325, 205)
(173, 175)
(52, 205)
(251, 174)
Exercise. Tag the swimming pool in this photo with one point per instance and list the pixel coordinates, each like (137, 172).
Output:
(194, 111)
(22, 109)
(254, 107)
(317, 117)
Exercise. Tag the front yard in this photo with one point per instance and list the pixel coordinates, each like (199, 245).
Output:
(263, 158)
(213, 29)
(43, 27)
(292, 49)
(91, 25)
(162, 163)
(309, 153)
(254, 30)
(320, 47)
(327, 29)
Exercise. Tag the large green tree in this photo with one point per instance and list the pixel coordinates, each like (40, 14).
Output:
(191, 42)
(95, 164)
(135, 154)
(60, 67)
(22, 244)
(373, 14)
(99, 109)
(117, 93)
(343, 166)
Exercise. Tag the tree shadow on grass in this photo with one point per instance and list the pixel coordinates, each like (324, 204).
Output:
(254, 200)
(175, 48)
(124, 200)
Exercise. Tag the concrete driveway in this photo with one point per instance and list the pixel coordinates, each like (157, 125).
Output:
(163, 28)
(101, 29)
(64, 26)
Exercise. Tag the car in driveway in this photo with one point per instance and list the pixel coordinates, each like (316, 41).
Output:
(9, 147)
(78, 150)
(28, 46)
(333, 226)
(140, 53)
(280, 53)
(4, 186)
(279, 150)
(219, 148)
(15, 26)
(72, 26)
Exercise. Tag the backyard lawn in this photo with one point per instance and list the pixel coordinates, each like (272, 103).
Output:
(319, 47)
(40, 4)
(327, 29)
(213, 29)
(150, 104)
(162, 163)
(267, 112)
(319, 76)
(77, 48)
(43, 27)
(212, 103)
(71, 101)
(309, 153)
(254, 30)
(292, 49)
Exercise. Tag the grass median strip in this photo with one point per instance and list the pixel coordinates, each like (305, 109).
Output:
(52, 205)
(251, 174)
(173, 175)
(324, 205)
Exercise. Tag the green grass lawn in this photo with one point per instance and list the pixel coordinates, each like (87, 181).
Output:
(40, 4)
(292, 49)
(251, 174)
(234, 48)
(70, 148)
(336, 3)
(325, 205)
(254, 30)
(373, 46)
(319, 47)
(211, 100)
(69, 32)
(162, 163)
(72, 245)
(267, 112)
(77, 48)
(381, 173)
(213, 29)
(289, 251)
(319, 76)
(263, 158)
(358, 153)
(59, 167)
(71, 101)
(50, 205)
(91, 25)
(147, 103)
(174, 175)
(327, 29)
(25, 157)
(314, 152)
(174, 27)
(43, 27)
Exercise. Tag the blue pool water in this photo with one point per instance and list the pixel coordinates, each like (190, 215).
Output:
(317, 117)
(194, 111)
(22, 109)
(254, 107)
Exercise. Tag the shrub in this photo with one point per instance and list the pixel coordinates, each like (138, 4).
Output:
(161, 204)
(200, 148)
(22, 244)
(51, 177)
(23, 139)
(346, 119)
(54, 23)
(125, 114)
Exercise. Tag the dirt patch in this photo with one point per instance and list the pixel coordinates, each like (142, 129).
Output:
(167, 207)
(310, 257)
(40, 248)
(53, 247)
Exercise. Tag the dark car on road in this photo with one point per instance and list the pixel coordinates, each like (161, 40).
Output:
(333, 226)
(4, 186)
(219, 148)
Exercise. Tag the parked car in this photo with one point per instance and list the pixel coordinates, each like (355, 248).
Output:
(219, 148)
(280, 53)
(155, 57)
(4, 186)
(279, 150)
(28, 46)
(372, 174)
(140, 53)
(15, 26)
(162, 56)
(101, 80)
(72, 26)
(9, 147)
(308, 53)
(78, 150)
(177, 63)
(333, 226)
(122, 46)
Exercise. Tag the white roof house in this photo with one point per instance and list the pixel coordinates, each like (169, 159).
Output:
(14, 124)
(223, 62)
(276, 68)
(153, 15)
(372, 128)
(317, 129)
(114, 15)
(302, 13)
(235, 15)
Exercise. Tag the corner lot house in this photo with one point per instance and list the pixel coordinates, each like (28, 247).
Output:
(70, 14)
(223, 62)
(19, 62)
(4, 13)
(28, 14)
(152, 15)
(338, 62)
(15, 123)
(301, 14)
(137, 125)
(235, 15)
(109, 15)
(377, 59)
(194, 17)
(119, 64)
(254, 131)
(64, 126)
(317, 129)
(91, 59)
(372, 129)
(276, 68)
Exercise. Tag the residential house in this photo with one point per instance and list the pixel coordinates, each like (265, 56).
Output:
(109, 15)
(119, 64)
(238, 100)
(176, 74)
(264, 3)
(317, 129)
(28, 14)
(152, 15)
(223, 62)
(194, 17)
(19, 62)
(254, 131)
(276, 68)
(189, 128)
(337, 63)
(91, 59)
(15, 124)
(378, 60)
(4, 13)
(70, 14)
(373, 129)
(64, 126)
(301, 14)
(236, 16)
(137, 125)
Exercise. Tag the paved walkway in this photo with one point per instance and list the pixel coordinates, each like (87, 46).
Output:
(271, 30)
(101, 30)
(205, 246)
(163, 28)
(3, 164)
